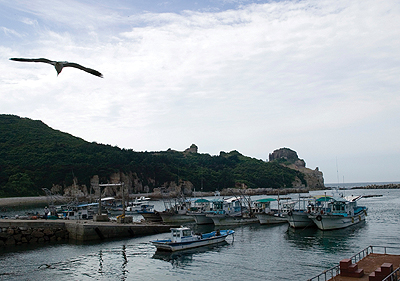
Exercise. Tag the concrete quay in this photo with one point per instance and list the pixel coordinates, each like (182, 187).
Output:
(91, 230)
(14, 231)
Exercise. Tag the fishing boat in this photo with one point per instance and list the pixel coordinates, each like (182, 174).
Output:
(137, 205)
(224, 219)
(77, 212)
(298, 214)
(202, 207)
(176, 211)
(232, 211)
(265, 214)
(201, 218)
(337, 212)
(149, 214)
(183, 238)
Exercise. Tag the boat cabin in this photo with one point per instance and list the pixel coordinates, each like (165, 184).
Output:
(232, 205)
(345, 206)
(319, 204)
(288, 206)
(200, 205)
(80, 212)
(263, 205)
(181, 234)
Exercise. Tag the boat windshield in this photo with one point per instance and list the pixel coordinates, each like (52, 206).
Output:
(186, 233)
(338, 207)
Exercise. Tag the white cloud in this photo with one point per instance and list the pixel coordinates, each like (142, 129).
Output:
(10, 32)
(315, 76)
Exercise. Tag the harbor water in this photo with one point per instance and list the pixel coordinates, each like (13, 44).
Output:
(255, 252)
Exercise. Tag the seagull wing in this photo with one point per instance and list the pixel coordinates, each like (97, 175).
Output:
(34, 60)
(89, 70)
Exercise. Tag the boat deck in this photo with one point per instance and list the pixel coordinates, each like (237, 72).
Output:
(370, 263)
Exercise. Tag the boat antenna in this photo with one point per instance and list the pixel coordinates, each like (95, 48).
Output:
(337, 172)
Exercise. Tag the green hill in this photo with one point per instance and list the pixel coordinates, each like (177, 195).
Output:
(33, 156)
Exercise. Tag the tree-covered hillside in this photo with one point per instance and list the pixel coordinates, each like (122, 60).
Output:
(33, 156)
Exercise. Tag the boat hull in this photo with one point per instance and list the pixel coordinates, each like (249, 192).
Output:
(175, 218)
(330, 222)
(167, 245)
(220, 220)
(202, 219)
(270, 219)
(299, 219)
(151, 216)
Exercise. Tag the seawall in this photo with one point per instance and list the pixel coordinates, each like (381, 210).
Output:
(17, 232)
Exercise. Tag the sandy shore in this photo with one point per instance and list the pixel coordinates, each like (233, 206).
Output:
(18, 201)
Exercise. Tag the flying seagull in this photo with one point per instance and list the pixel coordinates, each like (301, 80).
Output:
(60, 64)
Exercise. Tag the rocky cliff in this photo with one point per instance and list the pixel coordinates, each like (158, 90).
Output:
(134, 184)
(289, 158)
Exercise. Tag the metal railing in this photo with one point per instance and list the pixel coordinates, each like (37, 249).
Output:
(394, 276)
(333, 271)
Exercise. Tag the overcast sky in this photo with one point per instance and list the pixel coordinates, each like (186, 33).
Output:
(320, 77)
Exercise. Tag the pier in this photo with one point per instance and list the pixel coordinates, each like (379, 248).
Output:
(374, 263)
(15, 232)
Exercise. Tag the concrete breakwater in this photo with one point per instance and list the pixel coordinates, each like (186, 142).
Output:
(381, 186)
(17, 232)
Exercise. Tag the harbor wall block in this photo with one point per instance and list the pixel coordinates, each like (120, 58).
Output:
(27, 232)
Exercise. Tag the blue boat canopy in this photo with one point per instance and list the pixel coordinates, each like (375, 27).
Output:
(266, 200)
(324, 198)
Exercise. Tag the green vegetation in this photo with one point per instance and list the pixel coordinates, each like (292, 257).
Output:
(33, 156)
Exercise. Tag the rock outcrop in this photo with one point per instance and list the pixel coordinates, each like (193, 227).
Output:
(192, 149)
(133, 184)
(289, 158)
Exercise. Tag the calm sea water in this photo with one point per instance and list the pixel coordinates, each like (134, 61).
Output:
(255, 253)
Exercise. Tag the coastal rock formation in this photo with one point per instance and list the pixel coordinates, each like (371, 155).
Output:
(289, 158)
(172, 189)
(287, 154)
(134, 183)
(192, 149)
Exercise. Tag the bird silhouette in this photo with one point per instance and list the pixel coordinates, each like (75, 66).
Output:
(59, 65)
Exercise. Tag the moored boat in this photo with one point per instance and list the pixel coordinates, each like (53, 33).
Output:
(224, 219)
(201, 218)
(266, 215)
(202, 207)
(298, 214)
(299, 219)
(337, 212)
(77, 212)
(152, 216)
(174, 217)
(176, 211)
(135, 207)
(232, 211)
(183, 238)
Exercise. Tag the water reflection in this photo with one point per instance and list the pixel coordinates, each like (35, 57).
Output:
(327, 241)
(124, 263)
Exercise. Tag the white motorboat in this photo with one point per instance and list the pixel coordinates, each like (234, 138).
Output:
(183, 238)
